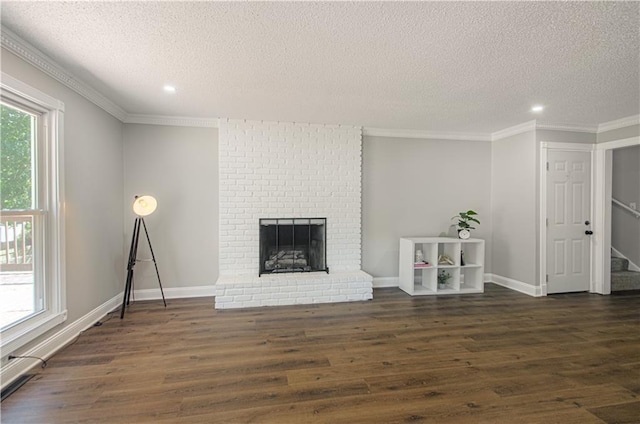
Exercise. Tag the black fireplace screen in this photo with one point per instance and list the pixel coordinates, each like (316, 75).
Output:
(293, 245)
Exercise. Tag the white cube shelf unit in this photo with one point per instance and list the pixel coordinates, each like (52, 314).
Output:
(422, 279)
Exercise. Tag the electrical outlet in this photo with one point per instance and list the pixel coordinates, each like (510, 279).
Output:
(633, 206)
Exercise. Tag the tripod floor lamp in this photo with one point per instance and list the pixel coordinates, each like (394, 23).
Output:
(142, 206)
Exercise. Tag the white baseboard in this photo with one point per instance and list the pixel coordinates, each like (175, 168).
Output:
(175, 292)
(380, 282)
(47, 348)
(632, 267)
(516, 285)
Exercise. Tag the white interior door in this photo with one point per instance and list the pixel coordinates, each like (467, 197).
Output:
(568, 221)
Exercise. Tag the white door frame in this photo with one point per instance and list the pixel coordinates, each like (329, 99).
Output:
(602, 220)
(545, 146)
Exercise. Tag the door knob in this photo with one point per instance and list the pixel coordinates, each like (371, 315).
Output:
(588, 232)
(586, 223)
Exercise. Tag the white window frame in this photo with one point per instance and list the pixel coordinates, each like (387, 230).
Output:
(52, 179)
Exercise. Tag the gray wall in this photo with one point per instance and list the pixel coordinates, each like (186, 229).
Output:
(515, 210)
(413, 187)
(619, 134)
(625, 228)
(178, 166)
(93, 193)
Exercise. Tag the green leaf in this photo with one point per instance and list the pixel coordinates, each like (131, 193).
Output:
(15, 161)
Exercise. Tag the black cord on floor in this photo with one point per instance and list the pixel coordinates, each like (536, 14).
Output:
(43, 365)
(96, 324)
(109, 316)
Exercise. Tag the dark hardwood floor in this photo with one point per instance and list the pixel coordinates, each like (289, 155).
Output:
(497, 357)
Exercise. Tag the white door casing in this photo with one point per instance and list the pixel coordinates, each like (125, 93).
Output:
(568, 213)
(602, 211)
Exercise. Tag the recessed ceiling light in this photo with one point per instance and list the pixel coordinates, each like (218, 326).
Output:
(169, 89)
(537, 108)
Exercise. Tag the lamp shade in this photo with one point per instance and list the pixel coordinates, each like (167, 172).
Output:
(144, 205)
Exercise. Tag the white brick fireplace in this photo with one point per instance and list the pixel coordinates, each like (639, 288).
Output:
(289, 170)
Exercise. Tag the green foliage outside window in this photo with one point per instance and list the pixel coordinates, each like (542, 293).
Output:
(15, 162)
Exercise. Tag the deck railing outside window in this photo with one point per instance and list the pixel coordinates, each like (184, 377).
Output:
(16, 240)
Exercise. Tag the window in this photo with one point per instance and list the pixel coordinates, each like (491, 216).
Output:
(32, 298)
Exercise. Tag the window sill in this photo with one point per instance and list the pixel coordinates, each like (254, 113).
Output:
(18, 336)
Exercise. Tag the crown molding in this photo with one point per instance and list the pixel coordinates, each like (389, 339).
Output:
(177, 121)
(429, 135)
(567, 127)
(516, 129)
(535, 125)
(30, 54)
(619, 123)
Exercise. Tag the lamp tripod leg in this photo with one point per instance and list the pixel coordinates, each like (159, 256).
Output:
(132, 262)
(154, 260)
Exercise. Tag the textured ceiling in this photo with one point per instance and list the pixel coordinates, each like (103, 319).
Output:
(434, 66)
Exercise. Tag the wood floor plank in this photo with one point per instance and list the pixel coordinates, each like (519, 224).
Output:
(406, 406)
(626, 413)
(282, 395)
(497, 357)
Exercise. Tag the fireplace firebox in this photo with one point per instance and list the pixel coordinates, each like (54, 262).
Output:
(293, 245)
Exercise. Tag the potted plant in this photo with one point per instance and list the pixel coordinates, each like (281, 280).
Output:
(443, 277)
(465, 221)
